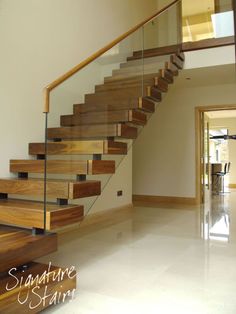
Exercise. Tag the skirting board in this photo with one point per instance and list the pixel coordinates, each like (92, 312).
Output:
(152, 199)
(232, 185)
(103, 218)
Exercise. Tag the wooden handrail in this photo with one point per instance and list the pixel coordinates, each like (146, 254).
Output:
(94, 56)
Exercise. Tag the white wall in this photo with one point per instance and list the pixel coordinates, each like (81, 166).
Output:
(164, 154)
(209, 57)
(230, 124)
(40, 40)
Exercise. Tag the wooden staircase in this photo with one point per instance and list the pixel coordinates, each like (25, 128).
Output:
(116, 110)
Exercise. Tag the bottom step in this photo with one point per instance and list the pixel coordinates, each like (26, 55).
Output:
(19, 246)
(35, 287)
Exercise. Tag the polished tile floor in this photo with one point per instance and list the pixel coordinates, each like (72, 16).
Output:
(162, 260)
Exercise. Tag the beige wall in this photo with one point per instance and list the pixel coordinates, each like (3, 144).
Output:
(209, 57)
(230, 124)
(122, 180)
(164, 154)
(162, 3)
(40, 40)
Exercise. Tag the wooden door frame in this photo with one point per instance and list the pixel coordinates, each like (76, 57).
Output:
(198, 112)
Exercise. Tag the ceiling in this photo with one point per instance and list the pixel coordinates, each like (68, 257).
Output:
(197, 7)
(222, 114)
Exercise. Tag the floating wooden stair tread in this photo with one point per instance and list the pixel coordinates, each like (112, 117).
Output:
(151, 66)
(147, 91)
(116, 116)
(149, 53)
(179, 63)
(172, 68)
(79, 147)
(160, 60)
(119, 85)
(161, 84)
(128, 78)
(140, 69)
(86, 167)
(134, 81)
(54, 285)
(125, 94)
(19, 246)
(168, 76)
(93, 131)
(29, 214)
(64, 189)
(140, 103)
(154, 94)
(130, 82)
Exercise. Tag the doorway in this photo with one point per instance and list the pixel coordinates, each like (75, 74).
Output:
(204, 129)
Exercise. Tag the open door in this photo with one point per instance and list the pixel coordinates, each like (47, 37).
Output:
(205, 160)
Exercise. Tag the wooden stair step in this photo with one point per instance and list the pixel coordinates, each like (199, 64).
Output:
(93, 131)
(79, 147)
(140, 103)
(147, 53)
(154, 94)
(125, 94)
(135, 79)
(116, 116)
(149, 81)
(130, 82)
(140, 70)
(141, 67)
(147, 69)
(180, 54)
(161, 84)
(154, 79)
(169, 66)
(59, 285)
(29, 214)
(168, 76)
(163, 74)
(152, 60)
(152, 52)
(86, 167)
(19, 246)
(179, 63)
(63, 189)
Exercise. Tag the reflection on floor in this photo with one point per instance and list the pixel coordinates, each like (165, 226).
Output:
(163, 260)
(220, 218)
